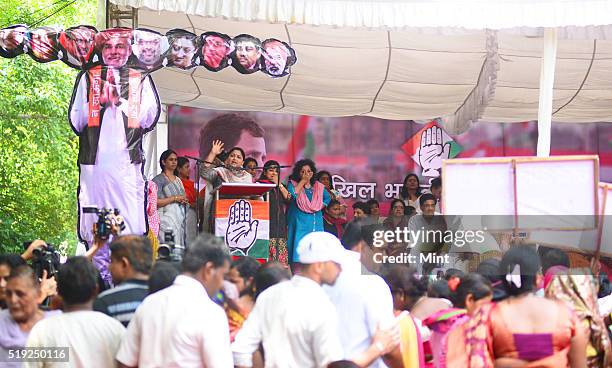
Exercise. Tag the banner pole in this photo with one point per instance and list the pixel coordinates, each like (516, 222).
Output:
(547, 80)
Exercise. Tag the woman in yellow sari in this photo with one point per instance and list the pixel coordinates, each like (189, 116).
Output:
(410, 304)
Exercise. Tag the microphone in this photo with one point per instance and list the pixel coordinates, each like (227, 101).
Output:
(200, 160)
(195, 158)
(274, 167)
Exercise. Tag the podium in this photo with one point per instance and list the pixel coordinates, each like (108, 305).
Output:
(243, 222)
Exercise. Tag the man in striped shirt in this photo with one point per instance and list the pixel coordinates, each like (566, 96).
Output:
(131, 259)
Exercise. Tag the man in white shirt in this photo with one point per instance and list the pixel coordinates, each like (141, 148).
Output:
(363, 300)
(295, 320)
(93, 338)
(180, 326)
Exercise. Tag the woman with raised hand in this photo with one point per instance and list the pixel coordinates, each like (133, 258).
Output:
(228, 169)
(221, 167)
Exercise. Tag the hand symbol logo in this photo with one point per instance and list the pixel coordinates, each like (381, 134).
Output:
(432, 151)
(241, 232)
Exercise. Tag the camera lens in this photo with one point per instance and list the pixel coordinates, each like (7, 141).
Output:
(163, 251)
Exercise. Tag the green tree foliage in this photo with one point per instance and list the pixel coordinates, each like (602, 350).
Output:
(38, 150)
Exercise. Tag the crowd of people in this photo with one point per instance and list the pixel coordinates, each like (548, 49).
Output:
(320, 300)
(305, 203)
(336, 308)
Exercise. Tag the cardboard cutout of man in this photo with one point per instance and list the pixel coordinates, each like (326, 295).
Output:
(277, 58)
(12, 40)
(42, 44)
(246, 59)
(216, 48)
(112, 107)
(147, 50)
(77, 44)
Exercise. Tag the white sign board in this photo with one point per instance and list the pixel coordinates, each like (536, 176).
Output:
(524, 193)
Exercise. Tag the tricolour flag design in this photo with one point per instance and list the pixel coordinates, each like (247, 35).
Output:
(244, 225)
(429, 146)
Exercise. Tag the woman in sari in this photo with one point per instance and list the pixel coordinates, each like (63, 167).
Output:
(152, 217)
(221, 168)
(577, 289)
(242, 274)
(396, 220)
(229, 170)
(278, 198)
(171, 201)
(472, 292)
(409, 295)
(397, 217)
(308, 198)
(182, 171)
(524, 330)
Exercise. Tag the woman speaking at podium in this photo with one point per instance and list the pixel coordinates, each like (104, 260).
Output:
(230, 171)
(216, 172)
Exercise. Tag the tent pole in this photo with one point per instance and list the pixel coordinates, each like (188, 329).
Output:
(547, 80)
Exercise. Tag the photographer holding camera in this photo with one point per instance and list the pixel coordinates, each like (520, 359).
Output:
(109, 223)
(35, 252)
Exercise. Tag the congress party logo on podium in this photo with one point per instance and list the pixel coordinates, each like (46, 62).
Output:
(244, 225)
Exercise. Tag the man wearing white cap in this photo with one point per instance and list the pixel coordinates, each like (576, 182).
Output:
(362, 299)
(295, 321)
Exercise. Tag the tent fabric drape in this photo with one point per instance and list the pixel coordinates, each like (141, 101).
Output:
(475, 14)
(419, 72)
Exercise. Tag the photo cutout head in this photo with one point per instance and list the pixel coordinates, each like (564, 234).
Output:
(113, 47)
(183, 49)
(77, 45)
(12, 40)
(278, 57)
(216, 51)
(42, 44)
(147, 50)
(246, 59)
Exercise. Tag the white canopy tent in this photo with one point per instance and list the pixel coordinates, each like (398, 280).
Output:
(461, 61)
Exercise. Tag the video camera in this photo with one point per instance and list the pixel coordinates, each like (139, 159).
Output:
(107, 218)
(168, 250)
(44, 258)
